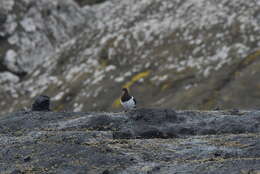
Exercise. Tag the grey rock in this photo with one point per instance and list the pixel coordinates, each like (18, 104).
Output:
(27, 159)
(78, 142)
(3, 18)
(106, 172)
(36, 28)
(16, 171)
(41, 103)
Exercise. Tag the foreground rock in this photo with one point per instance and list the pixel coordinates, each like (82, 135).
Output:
(141, 141)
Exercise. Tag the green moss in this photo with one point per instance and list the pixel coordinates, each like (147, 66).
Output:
(251, 58)
(103, 53)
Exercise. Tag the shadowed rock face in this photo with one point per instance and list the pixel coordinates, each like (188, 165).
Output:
(41, 103)
(142, 141)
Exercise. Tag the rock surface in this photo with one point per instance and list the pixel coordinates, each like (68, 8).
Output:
(41, 103)
(143, 141)
(33, 30)
(184, 54)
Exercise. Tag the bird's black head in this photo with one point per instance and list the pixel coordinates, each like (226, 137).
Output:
(125, 90)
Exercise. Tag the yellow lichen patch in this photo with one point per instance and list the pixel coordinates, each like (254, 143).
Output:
(133, 80)
(233, 144)
(116, 103)
(249, 59)
(103, 63)
(58, 108)
(219, 142)
(249, 171)
(136, 78)
(206, 160)
(146, 169)
(165, 86)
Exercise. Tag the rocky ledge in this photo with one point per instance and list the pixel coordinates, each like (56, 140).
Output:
(143, 141)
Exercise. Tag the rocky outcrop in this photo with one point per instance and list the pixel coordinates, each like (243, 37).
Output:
(182, 54)
(141, 141)
(33, 30)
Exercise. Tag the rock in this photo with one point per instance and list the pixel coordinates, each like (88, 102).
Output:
(16, 171)
(27, 159)
(41, 103)
(7, 77)
(217, 108)
(79, 142)
(234, 111)
(35, 29)
(3, 18)
(106, 172)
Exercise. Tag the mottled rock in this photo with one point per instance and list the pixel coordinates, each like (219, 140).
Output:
(36, 28)
(41, 103)
(16, 171)
(27, 159)
(78, 142)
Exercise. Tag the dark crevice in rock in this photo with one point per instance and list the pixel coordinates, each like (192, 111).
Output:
(4, 46)
(89, 2)
(20, 74)
(3, 68)
(2, 19)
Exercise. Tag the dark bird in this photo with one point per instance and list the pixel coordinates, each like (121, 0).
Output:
(127, 101)
(41, 103)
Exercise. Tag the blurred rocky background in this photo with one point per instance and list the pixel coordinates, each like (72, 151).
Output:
(181, 54)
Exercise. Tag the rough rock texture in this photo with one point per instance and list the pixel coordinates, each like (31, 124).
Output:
(183, 53)
(41, 103)
(33, 30)
(143, 141)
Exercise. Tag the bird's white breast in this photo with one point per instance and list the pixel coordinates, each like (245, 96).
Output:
(130, 104)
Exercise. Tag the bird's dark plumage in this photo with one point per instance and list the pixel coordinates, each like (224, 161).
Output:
(125, 96)
(134, 100)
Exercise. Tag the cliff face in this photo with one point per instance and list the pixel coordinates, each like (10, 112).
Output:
(143, 141)
(181, 54)
(32, 30)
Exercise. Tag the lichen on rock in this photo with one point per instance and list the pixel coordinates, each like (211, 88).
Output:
(141, 141)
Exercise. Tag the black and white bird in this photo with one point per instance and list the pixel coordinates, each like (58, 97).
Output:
(127, 101)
